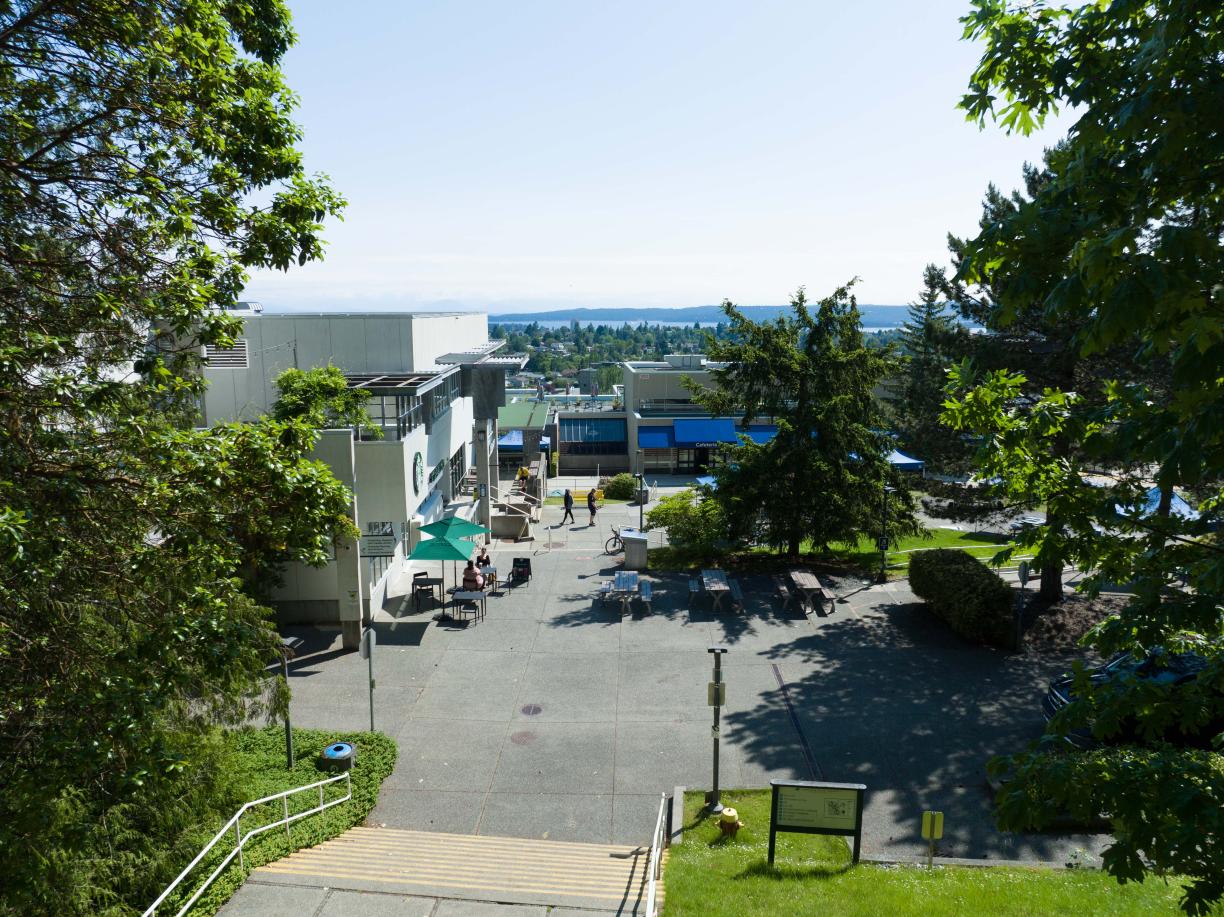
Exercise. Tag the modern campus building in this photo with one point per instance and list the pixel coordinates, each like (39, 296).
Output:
(435, 386)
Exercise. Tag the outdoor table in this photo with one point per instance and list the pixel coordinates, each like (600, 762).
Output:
(460, 596)
(490, 575)
(623, 588)
(808, 585)
(715, 583)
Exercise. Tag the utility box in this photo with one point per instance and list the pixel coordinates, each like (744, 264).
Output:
(635, 549)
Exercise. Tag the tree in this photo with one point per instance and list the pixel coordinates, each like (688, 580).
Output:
(1122, 245)
(135, 139)
(929, 341)
(822, 476)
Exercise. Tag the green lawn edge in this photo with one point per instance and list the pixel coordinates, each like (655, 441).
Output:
(812, 874)
(259, 766)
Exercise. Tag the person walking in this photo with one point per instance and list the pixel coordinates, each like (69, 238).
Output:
(591, 504)
(568, 500)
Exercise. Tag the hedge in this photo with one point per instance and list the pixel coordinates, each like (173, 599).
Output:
(621, 487)
(965, 593)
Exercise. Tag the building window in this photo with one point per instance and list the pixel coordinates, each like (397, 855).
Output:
(458, 470)
(593, 436)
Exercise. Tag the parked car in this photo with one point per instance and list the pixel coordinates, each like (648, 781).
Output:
(1020, 523)
(1159, 666)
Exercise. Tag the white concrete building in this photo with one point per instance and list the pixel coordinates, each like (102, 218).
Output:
(434, 388)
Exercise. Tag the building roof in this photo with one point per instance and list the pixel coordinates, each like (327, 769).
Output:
(523, 414)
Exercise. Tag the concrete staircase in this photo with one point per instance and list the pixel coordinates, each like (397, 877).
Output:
(478, 868)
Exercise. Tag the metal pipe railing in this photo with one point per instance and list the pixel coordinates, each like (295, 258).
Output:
(657, 842)
(240, 839)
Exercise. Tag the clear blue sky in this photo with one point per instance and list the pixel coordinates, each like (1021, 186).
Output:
(504, 155)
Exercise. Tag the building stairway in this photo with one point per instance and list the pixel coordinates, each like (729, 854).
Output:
(505, 870)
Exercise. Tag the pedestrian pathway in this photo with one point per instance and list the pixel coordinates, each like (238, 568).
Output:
(502, 870)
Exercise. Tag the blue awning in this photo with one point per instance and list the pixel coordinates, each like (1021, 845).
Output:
(512, 440)
(760, 433)
(655, 438)
(705, 433)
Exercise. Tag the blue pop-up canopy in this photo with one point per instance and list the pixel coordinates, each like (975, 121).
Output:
(904, 462)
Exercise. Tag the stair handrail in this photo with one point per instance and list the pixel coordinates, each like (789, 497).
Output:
(235, 823)
(657, 842)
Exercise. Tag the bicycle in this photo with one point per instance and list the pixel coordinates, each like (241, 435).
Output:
(614, 545)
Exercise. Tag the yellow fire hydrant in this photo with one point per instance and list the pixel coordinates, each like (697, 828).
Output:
(729, 823)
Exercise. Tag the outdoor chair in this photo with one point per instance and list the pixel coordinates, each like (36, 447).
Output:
(418, 588)
(520, 570)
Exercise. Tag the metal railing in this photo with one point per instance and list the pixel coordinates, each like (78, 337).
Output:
(657, 842)
(235, 825)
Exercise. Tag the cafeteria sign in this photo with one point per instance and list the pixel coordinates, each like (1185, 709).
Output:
(811, 807)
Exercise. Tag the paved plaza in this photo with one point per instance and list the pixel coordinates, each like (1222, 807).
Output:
(554, 718)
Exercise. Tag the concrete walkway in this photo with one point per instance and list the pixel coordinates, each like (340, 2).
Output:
(553, 718)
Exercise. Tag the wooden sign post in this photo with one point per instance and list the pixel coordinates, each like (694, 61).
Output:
(811, 807)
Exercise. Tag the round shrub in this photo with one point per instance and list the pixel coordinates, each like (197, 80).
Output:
(621, 487)
(965, 593)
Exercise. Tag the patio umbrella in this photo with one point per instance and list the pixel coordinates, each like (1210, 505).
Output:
(442, 548)
(453, 527)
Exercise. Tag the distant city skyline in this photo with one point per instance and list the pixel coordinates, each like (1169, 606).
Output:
(547, 156)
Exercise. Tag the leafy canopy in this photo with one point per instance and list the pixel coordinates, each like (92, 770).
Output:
(1121, 243)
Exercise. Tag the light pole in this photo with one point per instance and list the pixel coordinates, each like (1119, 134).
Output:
(716, 695)
(289, 648)
(641, 495)
(883, 545)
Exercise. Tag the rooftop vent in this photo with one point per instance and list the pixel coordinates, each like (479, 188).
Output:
(227, 357)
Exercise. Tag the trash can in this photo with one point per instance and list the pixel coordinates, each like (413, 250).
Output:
(643, 496)
(635, 549)
(338, 756)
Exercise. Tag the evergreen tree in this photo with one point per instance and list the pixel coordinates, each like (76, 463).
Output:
(822, 477)
(929, 343)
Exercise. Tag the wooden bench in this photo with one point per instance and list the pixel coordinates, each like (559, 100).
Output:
(694, 588)
(737, 594)
(784, 590)
(827, 596)
(646, 595)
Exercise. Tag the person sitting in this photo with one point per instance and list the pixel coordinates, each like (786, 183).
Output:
(483, 559)
(473, 579)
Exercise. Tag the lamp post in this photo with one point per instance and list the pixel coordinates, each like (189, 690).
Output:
(289, 648)
(717, 694)
(641, 495)
(883, 545)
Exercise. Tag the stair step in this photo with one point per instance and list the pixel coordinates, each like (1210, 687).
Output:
(474, 867)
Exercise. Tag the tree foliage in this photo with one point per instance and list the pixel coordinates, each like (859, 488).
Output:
(1120, 245)
(822, 477)
(135, 139)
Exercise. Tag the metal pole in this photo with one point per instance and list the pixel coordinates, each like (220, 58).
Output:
(715, 805)
(370, 660)
(288, 725)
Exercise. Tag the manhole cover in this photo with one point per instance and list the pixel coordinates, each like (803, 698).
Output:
(532, 710)
(523, 738)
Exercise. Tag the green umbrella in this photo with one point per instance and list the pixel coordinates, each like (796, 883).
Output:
(453, 527)
(442, 548)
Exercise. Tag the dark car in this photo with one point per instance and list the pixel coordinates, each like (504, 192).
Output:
(1159, 667)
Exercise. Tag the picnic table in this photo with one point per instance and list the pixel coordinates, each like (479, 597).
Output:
(715, 583)
(622, 588)
(809, 586)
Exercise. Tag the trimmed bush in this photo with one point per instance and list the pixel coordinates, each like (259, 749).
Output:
(621, 487)
(965, 593)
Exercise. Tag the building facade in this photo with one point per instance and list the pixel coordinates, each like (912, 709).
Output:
(433, 386)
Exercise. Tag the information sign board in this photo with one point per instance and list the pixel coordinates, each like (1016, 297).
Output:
(816, 807)
(378, 545)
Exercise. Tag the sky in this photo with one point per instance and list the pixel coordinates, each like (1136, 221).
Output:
(543, 155)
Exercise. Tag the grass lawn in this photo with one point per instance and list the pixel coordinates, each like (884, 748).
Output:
(862, 556)
(812, 874)
(259, 766)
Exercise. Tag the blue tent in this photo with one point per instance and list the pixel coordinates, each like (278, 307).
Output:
(707, 480)
(904, 462)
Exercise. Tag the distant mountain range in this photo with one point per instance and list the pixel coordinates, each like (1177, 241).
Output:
(873, 316)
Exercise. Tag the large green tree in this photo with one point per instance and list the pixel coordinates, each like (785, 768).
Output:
(930, 340)
(1121, 244)
(823, 476)
(147, 161)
